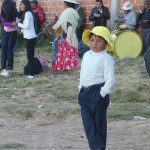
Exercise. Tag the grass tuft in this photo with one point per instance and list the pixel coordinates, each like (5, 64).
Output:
(11, 146)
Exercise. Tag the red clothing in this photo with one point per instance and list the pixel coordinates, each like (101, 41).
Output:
(67, 57)
(40, 13)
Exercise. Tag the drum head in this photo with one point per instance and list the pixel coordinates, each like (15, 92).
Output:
(128, 45)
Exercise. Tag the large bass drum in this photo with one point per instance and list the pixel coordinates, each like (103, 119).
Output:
(126, 44)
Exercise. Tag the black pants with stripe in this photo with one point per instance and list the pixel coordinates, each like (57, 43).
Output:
(93, 112)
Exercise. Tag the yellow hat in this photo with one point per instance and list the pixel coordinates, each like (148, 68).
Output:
(99, 31)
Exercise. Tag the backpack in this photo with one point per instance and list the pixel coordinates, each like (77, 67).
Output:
(37, 23)
(43, 62)
(37, 67)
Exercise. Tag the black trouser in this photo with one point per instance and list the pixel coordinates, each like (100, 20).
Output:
(79, 32)
(30, 46)
(93, 112)
(145, 39)
(8, 43)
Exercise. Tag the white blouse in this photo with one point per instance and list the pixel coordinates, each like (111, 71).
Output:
(28, 26)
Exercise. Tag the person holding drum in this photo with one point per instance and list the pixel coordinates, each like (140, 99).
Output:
(128, 17)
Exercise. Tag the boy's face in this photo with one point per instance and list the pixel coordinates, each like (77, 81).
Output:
(97, 43)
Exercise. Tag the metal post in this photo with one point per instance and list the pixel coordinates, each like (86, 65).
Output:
(115, 6)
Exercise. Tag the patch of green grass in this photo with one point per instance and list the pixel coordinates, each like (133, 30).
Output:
(64, 89)
(11, 146)
(126, 111)
(44, 51)
(2, 126)
(27, 111)
(22, 110)
(62, 108)
(58, 94)
(126, 96)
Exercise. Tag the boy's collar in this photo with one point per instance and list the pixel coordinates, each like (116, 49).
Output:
(96, 53)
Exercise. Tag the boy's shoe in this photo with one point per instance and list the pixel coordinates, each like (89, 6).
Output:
(30, 77)
(6, 73)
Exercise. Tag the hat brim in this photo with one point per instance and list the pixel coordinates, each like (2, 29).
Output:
(127, 8)
(86, 39)
(70, 1)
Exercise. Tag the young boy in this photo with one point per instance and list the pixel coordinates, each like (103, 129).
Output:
(96, 81)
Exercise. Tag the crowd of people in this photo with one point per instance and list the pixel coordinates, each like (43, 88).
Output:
(71, 42)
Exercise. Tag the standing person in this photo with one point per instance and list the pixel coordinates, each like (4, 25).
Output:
(96, 82)
(144, 22)
(9, 36)
(27, 26)
(65, 54)
(99, 14)
(81, 22)
(39, 10)
(128, 17)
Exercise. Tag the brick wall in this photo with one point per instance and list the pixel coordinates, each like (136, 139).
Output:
(55, 7)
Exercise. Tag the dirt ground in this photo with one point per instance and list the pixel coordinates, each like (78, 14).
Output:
(51, 133)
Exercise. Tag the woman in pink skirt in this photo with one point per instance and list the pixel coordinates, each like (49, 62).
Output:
(65, 47)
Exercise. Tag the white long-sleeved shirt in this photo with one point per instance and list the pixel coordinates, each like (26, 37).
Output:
(96, 68)
(28, 26)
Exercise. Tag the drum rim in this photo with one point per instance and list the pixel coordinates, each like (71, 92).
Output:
(128, 31)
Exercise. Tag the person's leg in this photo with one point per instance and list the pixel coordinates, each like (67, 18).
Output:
(100, 119)
(147, 60)
(4, 50)
(95, 130)
(1, 35)
(30, 46)
(147, 39)
(10, 51)
(143, 40)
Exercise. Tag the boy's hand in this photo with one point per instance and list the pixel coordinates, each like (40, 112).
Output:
(102, 94)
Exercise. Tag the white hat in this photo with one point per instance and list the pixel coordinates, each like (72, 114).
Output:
(71, 1)
(127, 6)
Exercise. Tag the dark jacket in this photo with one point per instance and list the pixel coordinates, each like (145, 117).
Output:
(102, 20)
(144, 19)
